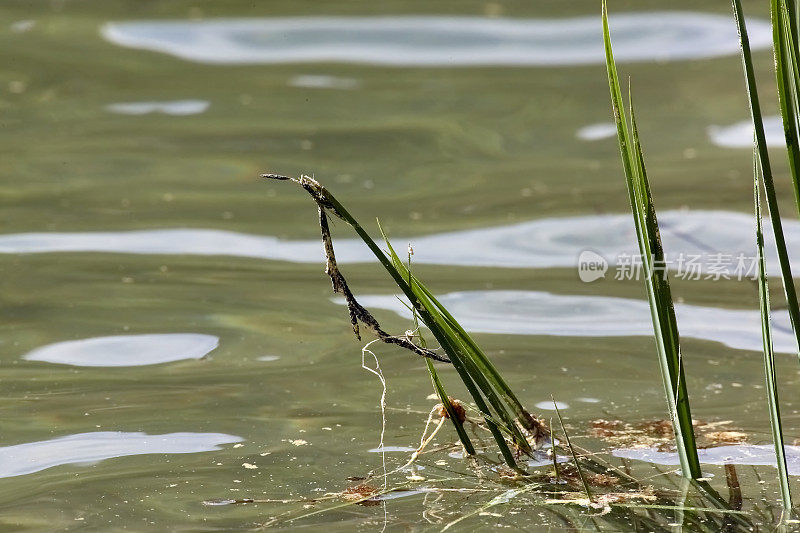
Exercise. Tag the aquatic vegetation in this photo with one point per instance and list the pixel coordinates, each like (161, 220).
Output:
(784, 35)
(589, 481)
(506, 416)
(652, 253)
(664, 322)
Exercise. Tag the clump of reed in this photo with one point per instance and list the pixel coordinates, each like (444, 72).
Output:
(785, 47)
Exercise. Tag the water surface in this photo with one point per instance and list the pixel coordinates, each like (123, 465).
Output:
(181, 343)
(440, 41)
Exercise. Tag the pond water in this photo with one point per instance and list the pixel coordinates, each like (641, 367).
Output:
(169, 337)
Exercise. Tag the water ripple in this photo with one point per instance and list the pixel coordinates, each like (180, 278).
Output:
(737, 454)
(126, 350)
(740, 134)
(542, 243)
(88, 448)
(174, 107)
(440, 41)
(543, 313)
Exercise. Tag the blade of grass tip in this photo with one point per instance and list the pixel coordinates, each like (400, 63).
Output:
(769, 354)
(786, 72)
(766, 173)
(645, 224)
(571, 451)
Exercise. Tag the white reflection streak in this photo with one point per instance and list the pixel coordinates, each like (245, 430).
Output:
(740, 134)
(543, 243)
(126, 350)
(440, 41)
(543, 313)
(174, 107)
(737, 454)
(89, 448)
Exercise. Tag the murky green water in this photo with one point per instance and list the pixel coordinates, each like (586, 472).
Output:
(429, 149)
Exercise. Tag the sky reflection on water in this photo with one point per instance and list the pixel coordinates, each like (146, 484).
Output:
(440, 41)
(543, 313)
(544, 243)
(88, 448)
(174, 107)
(126, 350)
(736, 454)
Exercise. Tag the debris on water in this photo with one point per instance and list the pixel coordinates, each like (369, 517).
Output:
(223, 501)
(604, 501)
(249, 466)
(362, 494)
(382, 449)
(396, 494)
(602, 480)
(726, 437)
(657, 434)
(458, 408)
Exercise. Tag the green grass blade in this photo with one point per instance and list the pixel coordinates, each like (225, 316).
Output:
(766, 173)
(445, 399)
(468, 356)
(769, 354)
(788, 79)
(571, 451)
(483, 362)
(647, 233)
(791, 19)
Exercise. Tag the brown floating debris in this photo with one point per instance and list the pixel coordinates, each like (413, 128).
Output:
(458, 409)
(362, 494)
(658, 433)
